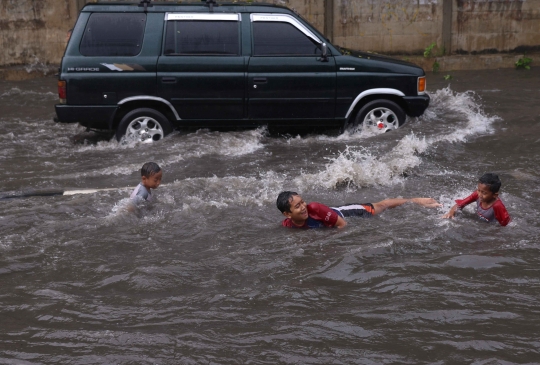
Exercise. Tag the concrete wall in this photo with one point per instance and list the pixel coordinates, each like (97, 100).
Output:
(34, 31)
(456, 26)
(387, 26)
(495, 26)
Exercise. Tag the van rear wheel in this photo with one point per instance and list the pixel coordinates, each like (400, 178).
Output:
(143, 125)
(380, 116)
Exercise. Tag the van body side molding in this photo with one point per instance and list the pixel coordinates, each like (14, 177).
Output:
(153, 98)
(363, 94)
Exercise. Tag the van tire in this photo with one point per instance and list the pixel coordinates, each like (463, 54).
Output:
(143, 125)
(382, 114)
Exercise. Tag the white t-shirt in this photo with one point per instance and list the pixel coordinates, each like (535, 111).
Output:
(141, 193)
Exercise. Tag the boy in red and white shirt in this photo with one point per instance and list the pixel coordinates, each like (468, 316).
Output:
(489, 206)
(316, 215)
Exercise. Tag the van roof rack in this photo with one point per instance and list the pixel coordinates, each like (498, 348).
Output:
(146, 4)
(210, 4)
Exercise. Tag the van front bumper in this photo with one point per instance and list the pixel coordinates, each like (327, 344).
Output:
(416, 105)
(95, 117)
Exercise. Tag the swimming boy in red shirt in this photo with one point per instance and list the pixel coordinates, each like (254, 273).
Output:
(317, 215)
(489, 206)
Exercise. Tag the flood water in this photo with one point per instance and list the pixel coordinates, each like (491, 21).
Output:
(206, 274)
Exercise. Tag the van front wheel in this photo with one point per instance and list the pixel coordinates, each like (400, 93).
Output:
(380, 116)
(143, 125)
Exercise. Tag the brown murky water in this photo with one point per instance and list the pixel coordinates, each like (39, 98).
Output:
(206, 275)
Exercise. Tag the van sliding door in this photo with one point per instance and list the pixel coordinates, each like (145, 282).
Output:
(201, 71)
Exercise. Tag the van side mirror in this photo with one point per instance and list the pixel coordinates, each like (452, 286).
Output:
(324, 51)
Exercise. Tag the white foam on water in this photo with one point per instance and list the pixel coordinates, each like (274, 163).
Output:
(9, 241)
(38, 66)
(15, 91)
(476, 122)
(200, 143)
(358, 167)
(349, 135)
(124, 208)
(448, 200)
(224, 191)
(204, 142)
(200, 193)
(182, 147)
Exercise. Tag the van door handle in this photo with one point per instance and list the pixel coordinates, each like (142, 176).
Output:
(260, 80)
(168, 80)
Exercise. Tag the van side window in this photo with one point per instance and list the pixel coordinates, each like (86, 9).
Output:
(281, 39)
(113, 34)
(202, 37)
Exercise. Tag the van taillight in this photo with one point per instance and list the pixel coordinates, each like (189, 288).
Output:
(62, 91)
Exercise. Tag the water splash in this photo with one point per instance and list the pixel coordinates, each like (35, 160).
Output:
(15, 91)
(38, 66)
(224, 191)
(465, 106)
(359, 167)
(182, 147)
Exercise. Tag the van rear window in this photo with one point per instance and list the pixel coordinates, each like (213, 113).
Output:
(202, 37)
(113, 34)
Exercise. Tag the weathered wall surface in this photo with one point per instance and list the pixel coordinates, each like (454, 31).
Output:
(387, 26)
(409, 26)
(34, 31)
(496, 26)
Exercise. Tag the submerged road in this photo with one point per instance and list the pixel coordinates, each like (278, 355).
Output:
(206, 275)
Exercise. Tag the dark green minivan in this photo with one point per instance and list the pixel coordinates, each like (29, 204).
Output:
(145, 68)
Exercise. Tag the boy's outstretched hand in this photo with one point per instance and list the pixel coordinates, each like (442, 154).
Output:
(427, 202)
(451, 213)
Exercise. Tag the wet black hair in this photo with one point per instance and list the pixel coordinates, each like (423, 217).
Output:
(492, 181)
(283, 201)
(149, 169)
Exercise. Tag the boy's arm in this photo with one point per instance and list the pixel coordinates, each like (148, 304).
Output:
(501, 214)
(460, 203)
(452, 212)
(426, 202)
(340, 222)
(396, 202)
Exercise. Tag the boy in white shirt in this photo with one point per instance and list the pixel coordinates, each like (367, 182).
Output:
(151, 175)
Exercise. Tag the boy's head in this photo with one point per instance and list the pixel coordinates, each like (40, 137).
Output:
(492, 181)
(151, 175)
(284, 200)
(292, 206)
(488, 187)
